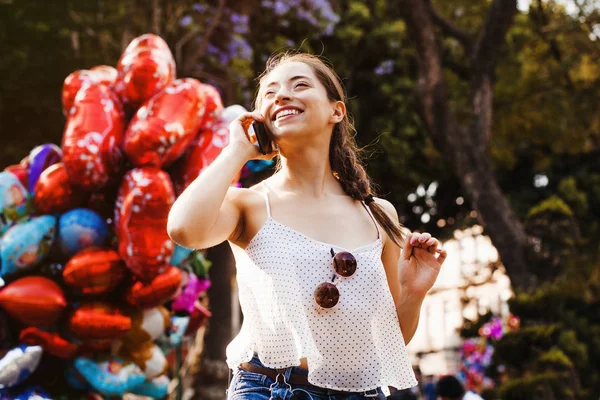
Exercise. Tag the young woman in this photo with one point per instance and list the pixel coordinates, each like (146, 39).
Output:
(330, 287)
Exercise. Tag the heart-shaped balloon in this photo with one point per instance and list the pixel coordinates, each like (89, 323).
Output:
(33, 300)
(156, 292)
(144, 69)
(94, 271)
(25, 245)
(18, 364)
(51, 342)
(21, 172)
(101, 74)
(147, 40)
(15, 204)
(92, 138)
(190, 292)
(143, 203)
(54, 193)
(165, 126)
(98, 321)
(214, 106)
(41, 158)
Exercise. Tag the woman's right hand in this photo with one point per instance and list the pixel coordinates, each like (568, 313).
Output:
(240, 136)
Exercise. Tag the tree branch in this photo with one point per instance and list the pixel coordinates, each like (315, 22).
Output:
(449, 29)
(191, 61)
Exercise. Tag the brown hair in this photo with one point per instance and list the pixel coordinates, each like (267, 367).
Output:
(344, 154)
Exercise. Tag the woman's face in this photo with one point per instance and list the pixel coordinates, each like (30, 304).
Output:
(294, 102)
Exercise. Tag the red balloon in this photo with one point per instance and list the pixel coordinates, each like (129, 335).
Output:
(33, 300)
(54, 192)
(143, 72)
(94, 271)
(198, 318)
(51, 342)
(21, 172)
(92, 138)
(214, 107)
(147, 40)
(203, 151)
(71, 85)
(158, 291)
(98, 321)
(165, 126)
(143, 203)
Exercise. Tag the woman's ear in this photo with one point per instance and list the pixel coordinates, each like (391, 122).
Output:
(338, 112)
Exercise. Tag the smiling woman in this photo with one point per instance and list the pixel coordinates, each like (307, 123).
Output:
(328, 299)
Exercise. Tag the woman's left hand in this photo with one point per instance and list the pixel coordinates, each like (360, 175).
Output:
(420, 263)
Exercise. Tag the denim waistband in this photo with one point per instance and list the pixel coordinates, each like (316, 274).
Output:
(296, 370)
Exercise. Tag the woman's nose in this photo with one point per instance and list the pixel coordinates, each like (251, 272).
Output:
(282, 95)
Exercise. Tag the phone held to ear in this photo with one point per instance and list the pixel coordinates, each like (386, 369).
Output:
(264, 137)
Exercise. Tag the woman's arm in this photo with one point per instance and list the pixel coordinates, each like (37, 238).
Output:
(410, 272)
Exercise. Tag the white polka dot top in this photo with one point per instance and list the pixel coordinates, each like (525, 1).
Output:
(357, 345)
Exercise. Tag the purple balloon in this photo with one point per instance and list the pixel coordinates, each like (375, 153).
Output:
(190, 293)
(41, 158)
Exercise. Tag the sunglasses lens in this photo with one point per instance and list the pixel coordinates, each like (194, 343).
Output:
(327, 295)
(344, 264)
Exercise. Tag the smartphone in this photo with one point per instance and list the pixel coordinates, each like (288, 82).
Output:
(264, 137)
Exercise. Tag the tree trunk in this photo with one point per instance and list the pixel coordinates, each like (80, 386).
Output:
(211, 380)
(467, 146)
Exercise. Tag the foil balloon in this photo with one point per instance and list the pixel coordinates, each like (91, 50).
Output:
(141, 212)
(214, 107)
(177, 330)
(41, 158)
(33, 300)
(21, 172)
(157, 291)
(26, 244)
(165, 126)
(149, 357)
(18, 365)
(198, 318)
(94, 271)
(92, 138)
(192, 287)
(145, 68)
(54, 193)
(147, 40)
(113, 377)
(51, 342)
(98, 321)
(79, 229)
(31, 393)
(103, 74)
(180, 254)
(232, 112)
(203, 151)
(156, 388)
(146, 325)
(15, 204)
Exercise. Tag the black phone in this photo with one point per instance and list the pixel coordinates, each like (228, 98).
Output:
(264, 137)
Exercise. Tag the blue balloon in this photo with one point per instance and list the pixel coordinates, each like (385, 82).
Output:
(32, 393)
(15, 202)
(180, 254)
(157, 388)
(111, 378)
(26, 244)
(79, 229)
(259, 165)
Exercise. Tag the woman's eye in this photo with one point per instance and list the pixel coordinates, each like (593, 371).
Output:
(269, 93)
(301, 84)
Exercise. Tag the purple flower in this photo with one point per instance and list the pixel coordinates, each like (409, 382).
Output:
(200, 7)
(186, 21)
(386, 67)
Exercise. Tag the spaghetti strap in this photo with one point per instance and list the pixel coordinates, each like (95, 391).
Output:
(266, 194)
(372, 217)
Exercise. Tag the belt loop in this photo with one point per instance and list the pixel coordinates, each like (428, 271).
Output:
(367, 394)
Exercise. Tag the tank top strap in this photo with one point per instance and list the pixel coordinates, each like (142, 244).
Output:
(266, 194)
(373, 218)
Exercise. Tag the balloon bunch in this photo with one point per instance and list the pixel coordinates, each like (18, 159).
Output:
(91, 286)
(477, 352)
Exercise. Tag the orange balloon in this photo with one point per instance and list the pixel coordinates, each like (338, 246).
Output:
(50, 342)
(158, 291)
(33, 300)
(165, 126)
(54, 192)
(98, 321)
(143, 203)
(92, 138)
(94, 271)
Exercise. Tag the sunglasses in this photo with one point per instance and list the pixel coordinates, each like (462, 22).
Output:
(327, 294)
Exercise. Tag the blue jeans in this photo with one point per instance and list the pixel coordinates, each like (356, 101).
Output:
(252, 386)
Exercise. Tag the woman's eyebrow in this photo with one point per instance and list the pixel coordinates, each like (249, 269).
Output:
(293, 78)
